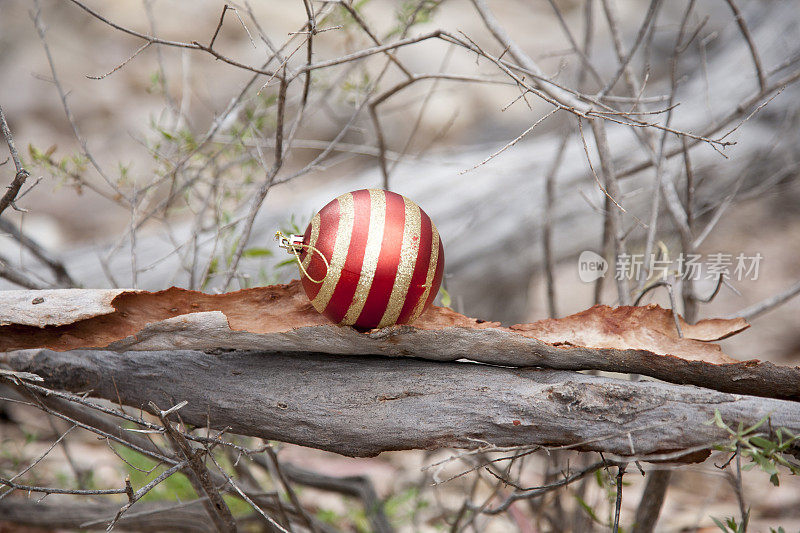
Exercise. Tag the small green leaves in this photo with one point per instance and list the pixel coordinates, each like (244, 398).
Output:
(765, 452)
(410, 13)
(69, 168)
(402, 507)
(730, 525)
(293, 225)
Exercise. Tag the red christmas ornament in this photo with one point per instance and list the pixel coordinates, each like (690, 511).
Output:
(370, 258)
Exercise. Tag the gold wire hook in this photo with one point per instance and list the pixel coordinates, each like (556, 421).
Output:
(291, 247)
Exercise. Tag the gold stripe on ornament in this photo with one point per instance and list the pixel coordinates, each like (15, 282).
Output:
(377, 216)
(429, 278)
(340, 249)
(312, 241)
(408, 259)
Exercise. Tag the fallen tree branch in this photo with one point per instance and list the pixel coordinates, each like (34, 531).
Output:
(188, 516)
(639, 340)
(361, 406)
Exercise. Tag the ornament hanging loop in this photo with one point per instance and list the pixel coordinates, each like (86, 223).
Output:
(292, 244)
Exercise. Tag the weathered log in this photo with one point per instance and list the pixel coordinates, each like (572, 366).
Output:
(361, 406)
(279, 318)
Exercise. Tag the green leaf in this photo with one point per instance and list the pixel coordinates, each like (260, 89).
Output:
(328, 516)
(765, 464)
(588, 508)
(257, 252)
(188, 138)
(719, 524)
(446, 300)
(213, 268)
(285, 262)
(757, 425)
(293, 225)
(763, 443)
(718, 421)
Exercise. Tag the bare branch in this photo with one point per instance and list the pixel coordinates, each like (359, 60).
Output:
(40, 29)
(21, 175)
(587, 64)
(512, 142)
(554, 92)
(201, 479)
(618, 501)
(768, 304)
(547, 228)
(154, 40)
(258, 200)
(611, 188)
(134, 497)
(15, 276)
(112, 71)
(56, 490)
(762, 80)
(624, 64)
(57, 267)
(528, 493)
(742, 109)
(187, 517)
